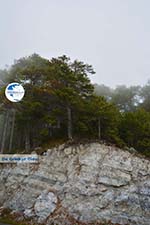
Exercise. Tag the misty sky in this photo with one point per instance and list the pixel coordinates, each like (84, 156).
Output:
(112, 35)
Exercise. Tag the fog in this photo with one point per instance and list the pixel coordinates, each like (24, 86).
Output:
(112, 35)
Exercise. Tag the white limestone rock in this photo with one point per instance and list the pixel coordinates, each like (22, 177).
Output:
(96, 183)
(45, 204)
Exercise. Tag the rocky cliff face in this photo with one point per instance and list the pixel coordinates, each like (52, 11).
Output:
(87, 183)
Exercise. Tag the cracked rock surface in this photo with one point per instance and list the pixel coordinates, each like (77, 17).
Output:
(85, 183)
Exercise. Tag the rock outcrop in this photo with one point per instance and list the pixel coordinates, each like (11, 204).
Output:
(86, 183)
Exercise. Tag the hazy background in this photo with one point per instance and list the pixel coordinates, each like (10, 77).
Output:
(112, 35)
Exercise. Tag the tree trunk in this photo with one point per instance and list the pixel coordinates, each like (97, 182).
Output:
(99, 128)
(2, 118)
(69, 122)
(4, 132)
(58, 124)
(27, 140)
(12, 130)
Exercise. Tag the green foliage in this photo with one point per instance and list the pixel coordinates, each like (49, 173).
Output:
(126, 99)
(51, 88)
(135, 130)
(102, 90)
(145, 95)
(60, 103)
(30, 69)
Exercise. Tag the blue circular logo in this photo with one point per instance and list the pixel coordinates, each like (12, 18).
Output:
(14, 92)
